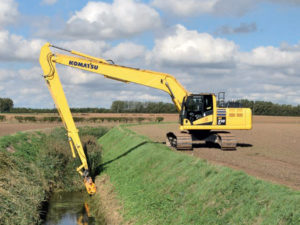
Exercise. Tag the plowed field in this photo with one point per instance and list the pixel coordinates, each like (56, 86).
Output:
(11, 128)
(11, 125)
(270, 151)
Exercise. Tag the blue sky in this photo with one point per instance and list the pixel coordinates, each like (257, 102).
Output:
(250, 48)
(276, 23)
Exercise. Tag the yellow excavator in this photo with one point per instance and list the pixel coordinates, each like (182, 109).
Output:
(200, 117)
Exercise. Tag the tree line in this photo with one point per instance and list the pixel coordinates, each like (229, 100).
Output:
(258, 108)
(142, 107)
(270, 109)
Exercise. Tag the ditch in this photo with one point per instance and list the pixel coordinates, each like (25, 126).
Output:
(66, 208)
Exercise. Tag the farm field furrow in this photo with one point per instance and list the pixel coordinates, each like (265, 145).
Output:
(269, 151)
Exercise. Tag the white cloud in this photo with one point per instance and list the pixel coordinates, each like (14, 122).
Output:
(286, 1)
(189, 8)
(270, 87)
(8, 12)
(93, 48)
(31, 74)
(49, 2)
(120, 19)
(270, 56)
(201, 62)
(188, 47)
(6, 75)
(207, 64)
(197, 7)
(72, 76)
(126, 51)
(24, 86)
(138, 96)
(15, 47)
(241, 29)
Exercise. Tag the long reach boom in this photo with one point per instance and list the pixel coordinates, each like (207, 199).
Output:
(198, 113)
(82, 61)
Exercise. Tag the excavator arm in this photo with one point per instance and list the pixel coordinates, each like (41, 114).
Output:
(161, 81)
(200, 117)
(56, 90)
(48, 60)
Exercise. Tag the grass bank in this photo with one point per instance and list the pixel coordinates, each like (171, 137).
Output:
(159, 186)
(34, 164)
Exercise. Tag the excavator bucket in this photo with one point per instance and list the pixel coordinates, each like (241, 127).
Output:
(89, 185)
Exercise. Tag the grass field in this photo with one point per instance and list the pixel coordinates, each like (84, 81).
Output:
(160, 186)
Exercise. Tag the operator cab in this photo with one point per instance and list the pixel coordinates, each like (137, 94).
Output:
(195, 107)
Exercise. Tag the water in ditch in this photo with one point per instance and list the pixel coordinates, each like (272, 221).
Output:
(70, 208)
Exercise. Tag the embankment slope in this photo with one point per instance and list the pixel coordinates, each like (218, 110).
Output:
(159, 186)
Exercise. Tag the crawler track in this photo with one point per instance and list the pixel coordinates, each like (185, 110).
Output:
(227, 141)
(180, 140)
(185, 140)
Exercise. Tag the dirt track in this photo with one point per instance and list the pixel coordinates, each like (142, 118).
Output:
(270, 151)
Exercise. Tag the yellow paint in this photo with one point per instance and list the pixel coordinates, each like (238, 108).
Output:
(242, 118)
(205, 119)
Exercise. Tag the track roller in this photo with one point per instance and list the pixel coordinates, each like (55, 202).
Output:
(227, 141)
(180, 141)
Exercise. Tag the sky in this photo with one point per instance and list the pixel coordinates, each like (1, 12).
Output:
(248, 48)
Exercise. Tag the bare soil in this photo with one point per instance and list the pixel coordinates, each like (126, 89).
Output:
(8, 128)
(11, 125)
(11, 128)
(270, 151)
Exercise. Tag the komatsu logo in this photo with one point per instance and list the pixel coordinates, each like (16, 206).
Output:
(83, 65)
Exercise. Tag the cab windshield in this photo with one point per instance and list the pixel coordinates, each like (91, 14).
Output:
(198, 106)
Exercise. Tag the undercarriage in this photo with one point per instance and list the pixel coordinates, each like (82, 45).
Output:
(185, 140)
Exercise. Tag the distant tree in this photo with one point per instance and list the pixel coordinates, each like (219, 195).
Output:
(118, 106)
(6, 105)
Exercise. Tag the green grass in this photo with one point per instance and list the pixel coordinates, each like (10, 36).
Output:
(159, 186)
(32, 165)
